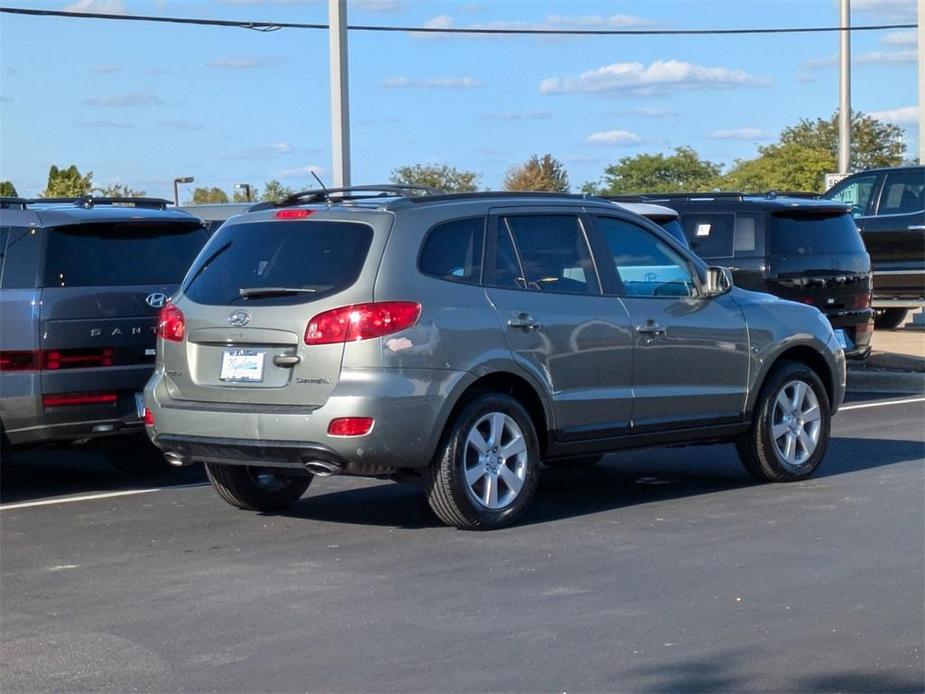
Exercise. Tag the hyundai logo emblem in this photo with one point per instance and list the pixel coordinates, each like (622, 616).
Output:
(156, 300)
(239, 318)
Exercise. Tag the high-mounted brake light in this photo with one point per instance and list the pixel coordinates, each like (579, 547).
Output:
(350, 426)
(64, 399)
(171, 324)
(297, 213)
(361, 322)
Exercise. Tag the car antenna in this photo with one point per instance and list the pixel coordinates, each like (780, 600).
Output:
(320, 182)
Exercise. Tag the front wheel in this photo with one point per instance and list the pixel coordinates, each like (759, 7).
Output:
(790, 433)
(486, 470)
(256, 488)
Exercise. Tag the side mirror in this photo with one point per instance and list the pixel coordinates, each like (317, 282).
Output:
(719, 281)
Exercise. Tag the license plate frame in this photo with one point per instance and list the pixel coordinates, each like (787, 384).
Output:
(242, 366)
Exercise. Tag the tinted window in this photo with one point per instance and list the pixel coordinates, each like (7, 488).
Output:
(320, 257)
(505, 271)
(95, 255)
(553, 253)
(855, 192)
(902, 193)
(673, 227)
(711, 235)
(20, 258)
(805, 234)
(453, 251)
(645, 264)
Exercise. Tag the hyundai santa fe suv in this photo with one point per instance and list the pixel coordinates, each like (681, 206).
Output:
(82, 283)
(466, 338)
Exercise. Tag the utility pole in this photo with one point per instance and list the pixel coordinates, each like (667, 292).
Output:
(340, 97)
(844, 89)
(921, 32)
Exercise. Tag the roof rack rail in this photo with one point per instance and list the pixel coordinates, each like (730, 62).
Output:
(771, 194)
(88, 201)
(653, 197)
(9, 202)
(476, 195)
(349, 193)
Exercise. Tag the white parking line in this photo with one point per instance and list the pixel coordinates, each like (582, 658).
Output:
(92, 497)
(882, 403)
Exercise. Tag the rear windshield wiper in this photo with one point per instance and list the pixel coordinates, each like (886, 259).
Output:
(273, 291)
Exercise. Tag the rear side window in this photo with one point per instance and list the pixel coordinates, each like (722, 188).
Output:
(318, 258)
(811, 234)
(97, 255)
(453, 251)
(711, 235)
(20, 248)
(902, 193)
(553, 253)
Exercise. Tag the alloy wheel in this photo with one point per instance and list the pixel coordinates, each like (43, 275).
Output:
(495, 460)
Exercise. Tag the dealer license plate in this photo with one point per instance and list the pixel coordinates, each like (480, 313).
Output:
(242, 366)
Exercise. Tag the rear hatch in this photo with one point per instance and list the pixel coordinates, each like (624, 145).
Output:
(103, 285)
(248, 301)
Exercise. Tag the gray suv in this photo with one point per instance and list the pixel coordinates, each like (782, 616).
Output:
(467, 338)
(82, 283)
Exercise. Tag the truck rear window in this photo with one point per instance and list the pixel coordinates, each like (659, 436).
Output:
(317, 257)
(120, 254)
(812, 234)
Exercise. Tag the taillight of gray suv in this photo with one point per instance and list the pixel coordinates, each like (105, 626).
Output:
(466, 339)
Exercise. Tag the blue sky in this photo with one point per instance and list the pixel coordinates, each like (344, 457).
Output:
(141, 103)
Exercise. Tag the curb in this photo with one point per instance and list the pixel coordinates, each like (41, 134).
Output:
(870, 381)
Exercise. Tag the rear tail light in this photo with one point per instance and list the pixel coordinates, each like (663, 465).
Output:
(64, 399)
(862, 301)
(171, 324)
(350, 426)
(20, 360)
(149, 417)
(76, 358)
(361, 322)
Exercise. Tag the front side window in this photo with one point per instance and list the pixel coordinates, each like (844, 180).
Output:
(453, 251)
(646, 265)
(902, 193)
(855, 193)
(552, 252)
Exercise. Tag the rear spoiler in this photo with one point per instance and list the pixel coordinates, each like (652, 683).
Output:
(90, 201)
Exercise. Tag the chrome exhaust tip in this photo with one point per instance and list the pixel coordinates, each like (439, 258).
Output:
(323, 468)
(175, 459)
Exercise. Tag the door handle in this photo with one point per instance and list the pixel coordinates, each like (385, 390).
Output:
(650, 328)
(284, 360)
(525, 322)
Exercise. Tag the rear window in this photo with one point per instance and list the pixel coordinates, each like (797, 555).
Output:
(97, 255)
(807, 234)
(320, 258)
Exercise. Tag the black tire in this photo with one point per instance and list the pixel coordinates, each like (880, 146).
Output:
(255, 488)
(585, 462)
(449, 494)
(134, 456)
(890, 318)
(759, 451)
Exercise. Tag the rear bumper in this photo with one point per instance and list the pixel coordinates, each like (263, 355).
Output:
(409, 406)
(858, 325)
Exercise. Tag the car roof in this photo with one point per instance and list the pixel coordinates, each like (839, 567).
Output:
(89, 210)
(647, 209)
(771, 202)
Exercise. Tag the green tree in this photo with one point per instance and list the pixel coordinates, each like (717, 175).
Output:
(8, 190)
(439, 176)
(274, 190)
(782, 167)
(240, 195)
(874, 143)
(67, 183)
(544, 173)
(117, 190)
(206, 196)
(658, 173)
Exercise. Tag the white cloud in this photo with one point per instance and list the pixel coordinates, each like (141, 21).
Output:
(553, 21)
(97, 6)
(106, 69)
(651, 112)
(900, 38)
(740, 134)
(180, 125)
(539, 114)
(106, 124)
(434, 83)
(613, 137)
(887, 9)
(380, 5)
(263, 151)
(661, 75)
(143, 98)
(868, 58)
(906, 115)
(301, 172)
(245, 62)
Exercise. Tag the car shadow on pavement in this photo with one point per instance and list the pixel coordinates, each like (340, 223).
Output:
(620, 480)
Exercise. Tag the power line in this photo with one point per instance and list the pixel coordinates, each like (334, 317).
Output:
(275, 26)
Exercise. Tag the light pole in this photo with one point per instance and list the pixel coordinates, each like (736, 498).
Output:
(246, 187)
(176, 189)
(844, 90)
(340, 106)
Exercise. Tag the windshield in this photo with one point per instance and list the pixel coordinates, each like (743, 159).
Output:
(98, 255)
(278, 262)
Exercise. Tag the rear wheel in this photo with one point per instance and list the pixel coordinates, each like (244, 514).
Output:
(790, 434)
(889, 318)
(486, 469)
(256, 488)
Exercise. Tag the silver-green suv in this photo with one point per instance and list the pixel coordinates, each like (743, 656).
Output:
(467, 339)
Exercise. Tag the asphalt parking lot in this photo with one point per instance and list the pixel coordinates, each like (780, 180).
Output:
(662, 570)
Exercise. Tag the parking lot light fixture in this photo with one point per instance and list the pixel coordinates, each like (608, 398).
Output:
(176, 190)
(246, 187)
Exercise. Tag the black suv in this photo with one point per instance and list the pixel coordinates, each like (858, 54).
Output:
(889, 207)
(82, 283)
(797, 248)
